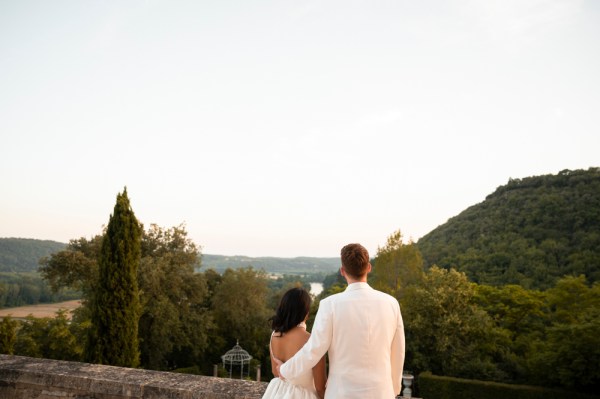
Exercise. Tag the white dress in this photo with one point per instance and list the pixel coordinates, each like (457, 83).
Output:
(302, 388)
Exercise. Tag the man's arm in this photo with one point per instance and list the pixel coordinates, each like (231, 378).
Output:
(275, 363)
(314, 349)
(320, 377)
(397, 354)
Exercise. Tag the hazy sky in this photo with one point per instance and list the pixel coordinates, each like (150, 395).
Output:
(287, 128)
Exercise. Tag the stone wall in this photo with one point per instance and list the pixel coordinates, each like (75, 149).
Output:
(33, 378)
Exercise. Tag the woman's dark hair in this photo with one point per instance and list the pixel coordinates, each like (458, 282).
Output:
(292, 310)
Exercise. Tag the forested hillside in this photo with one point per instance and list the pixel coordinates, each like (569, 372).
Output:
(24, 254)
(299, 265)
(530, 232)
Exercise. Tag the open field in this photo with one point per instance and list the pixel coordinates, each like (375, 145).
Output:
(40, 310)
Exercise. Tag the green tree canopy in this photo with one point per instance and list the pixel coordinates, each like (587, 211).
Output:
(175, 322)
(446, 333)
(396, 265)
(8, 335)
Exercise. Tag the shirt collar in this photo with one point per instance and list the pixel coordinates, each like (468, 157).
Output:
(357, 286)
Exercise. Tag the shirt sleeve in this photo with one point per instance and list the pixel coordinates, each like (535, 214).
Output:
(397, 354)
(314, 349)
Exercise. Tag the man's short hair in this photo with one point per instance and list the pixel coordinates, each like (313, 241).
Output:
(355, 260)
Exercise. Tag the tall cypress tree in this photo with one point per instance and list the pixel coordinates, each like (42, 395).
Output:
(115, 305)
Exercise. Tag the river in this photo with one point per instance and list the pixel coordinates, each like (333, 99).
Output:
(316, 288)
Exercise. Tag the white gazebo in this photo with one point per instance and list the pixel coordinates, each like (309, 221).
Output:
(236, 356)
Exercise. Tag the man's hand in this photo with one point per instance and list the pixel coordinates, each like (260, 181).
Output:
(278, 363)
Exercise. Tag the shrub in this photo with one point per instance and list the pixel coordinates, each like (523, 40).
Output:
(436, 387)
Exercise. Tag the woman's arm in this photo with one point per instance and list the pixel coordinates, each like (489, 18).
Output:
(320, 377)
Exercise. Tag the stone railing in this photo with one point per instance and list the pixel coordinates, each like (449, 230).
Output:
(25, 377)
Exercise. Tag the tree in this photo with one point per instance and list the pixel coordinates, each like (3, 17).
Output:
(175, 323)
(571, 300)
(569, 356)
(115, 306)
(512, 307)
(75, 267)
(396, 265)
(520, 315)
(567, 352)
(446, 333)
(8, 335)
(62, 339)
(50, 338)
(31, 337)
(239, 308)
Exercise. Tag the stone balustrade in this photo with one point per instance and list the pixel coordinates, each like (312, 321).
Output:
(25, 378)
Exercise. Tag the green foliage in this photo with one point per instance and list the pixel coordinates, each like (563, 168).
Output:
(239, 305)
(295, 266)
(512, 307)
(554, 334)
(23, 254)
(396, 265)
(8, 335)
(520, 316)
(569, 357)
(288, 281)
(20, 284)
(18, 289)
(572, 300)
(567, 352)
(49, 338)
(115, 307)
(446, 333)
(436, 387)
(174, 324)
(75, 267)
(529, 232)
(332, 284)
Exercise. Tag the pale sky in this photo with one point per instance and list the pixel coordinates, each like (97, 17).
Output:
(287, 128)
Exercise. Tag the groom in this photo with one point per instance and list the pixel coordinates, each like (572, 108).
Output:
(363, 332)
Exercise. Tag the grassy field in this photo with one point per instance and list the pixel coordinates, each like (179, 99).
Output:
(41, 310)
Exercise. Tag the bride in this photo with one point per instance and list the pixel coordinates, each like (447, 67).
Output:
(289, 335)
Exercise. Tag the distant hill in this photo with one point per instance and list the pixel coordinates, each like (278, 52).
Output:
(300, 265)
(530, 232)
(23, 254)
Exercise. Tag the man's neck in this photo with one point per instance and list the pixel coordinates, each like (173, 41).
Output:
(352, 281)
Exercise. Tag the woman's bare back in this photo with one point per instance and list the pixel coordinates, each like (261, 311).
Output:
(286, 346)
